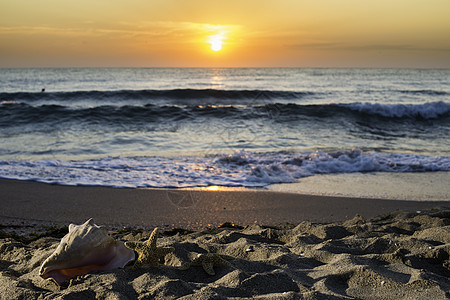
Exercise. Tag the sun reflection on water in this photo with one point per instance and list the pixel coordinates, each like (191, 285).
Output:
(217, 79)
(212, 188)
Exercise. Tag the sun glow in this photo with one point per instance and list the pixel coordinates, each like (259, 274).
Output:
(216, 45)
(216, 40)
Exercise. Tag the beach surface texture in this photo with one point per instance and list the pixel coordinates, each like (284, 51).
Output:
(266, 245)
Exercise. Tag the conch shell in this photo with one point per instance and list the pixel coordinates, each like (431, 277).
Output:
(85, 248)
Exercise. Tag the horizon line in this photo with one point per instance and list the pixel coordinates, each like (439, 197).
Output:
(268, 67)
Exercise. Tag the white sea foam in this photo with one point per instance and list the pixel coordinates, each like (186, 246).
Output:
(239, 169)
(429, 110)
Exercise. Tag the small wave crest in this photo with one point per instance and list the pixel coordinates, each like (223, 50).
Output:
(424, 92)
(174, 94)
(431, 110)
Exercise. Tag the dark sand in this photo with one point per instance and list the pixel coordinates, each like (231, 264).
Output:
(392, 250)
(190, 209)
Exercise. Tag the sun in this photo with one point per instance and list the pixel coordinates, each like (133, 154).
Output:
(217, 36)
(216, 41)
(216, 45)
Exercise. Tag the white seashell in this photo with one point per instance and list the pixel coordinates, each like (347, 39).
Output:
(85, 248)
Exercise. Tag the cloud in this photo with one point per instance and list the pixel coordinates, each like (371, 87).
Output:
(314, 45)
(363, 47)
(172, 30)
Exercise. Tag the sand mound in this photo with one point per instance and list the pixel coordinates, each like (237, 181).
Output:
(396, 256)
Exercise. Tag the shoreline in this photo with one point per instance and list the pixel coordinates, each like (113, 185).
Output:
(411, 186)
(27, 202)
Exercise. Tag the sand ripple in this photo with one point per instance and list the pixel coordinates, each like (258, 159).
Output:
(395, 256)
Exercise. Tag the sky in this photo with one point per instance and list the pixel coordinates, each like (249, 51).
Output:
(210, 33)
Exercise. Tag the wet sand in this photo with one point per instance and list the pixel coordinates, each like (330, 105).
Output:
(191, 209)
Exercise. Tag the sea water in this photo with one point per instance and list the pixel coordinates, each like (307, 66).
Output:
(229, 127)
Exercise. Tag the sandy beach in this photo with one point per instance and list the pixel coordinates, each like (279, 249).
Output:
(277, 245)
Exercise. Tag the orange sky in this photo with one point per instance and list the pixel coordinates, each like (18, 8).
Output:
(176, 33)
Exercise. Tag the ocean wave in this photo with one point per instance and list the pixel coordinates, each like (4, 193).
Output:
(425, 92)
(174, 94)
(26, 114)
(242, 168)
(431, 110)
(14, 113)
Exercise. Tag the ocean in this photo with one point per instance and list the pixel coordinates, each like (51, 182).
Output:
(180, 128)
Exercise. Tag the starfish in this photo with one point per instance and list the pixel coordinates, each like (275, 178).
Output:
(208, 261)
(148, 253)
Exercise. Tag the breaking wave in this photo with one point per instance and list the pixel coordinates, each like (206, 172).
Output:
(242, 168)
